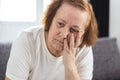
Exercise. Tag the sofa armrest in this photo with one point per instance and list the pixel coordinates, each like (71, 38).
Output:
(106, 60)
(4, 55)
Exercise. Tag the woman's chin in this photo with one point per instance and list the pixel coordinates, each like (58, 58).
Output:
(58, 48)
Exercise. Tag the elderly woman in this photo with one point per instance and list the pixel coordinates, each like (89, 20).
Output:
(61, 50)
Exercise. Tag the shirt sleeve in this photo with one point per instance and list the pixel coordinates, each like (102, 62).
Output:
(85, 63)
(18, 65)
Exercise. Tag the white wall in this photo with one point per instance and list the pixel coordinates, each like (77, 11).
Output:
(115, 20)
(10, 30)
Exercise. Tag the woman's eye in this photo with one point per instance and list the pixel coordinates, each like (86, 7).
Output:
(73, 30)
(60, 24)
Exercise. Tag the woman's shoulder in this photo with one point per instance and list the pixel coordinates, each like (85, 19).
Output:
(31, 32)
(29, 36)
(85, 49)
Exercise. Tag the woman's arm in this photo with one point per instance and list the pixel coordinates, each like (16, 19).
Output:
(18, 63)
(69, 52)
(71, 73)
(77, 68)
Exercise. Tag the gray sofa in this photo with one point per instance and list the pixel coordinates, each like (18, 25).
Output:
(106, 59)
(4, 55)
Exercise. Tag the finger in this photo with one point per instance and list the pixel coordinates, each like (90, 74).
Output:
(65, 44)
(78, 40)
(68, 40)
(72, 40)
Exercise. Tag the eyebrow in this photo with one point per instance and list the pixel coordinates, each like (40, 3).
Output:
(61, 20)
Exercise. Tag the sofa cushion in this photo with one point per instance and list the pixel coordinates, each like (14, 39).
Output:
(106, 60)
(4, 55)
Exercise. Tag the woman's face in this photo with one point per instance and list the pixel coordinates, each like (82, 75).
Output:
(68, 20)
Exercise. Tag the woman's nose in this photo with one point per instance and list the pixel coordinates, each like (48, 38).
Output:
(64, 32)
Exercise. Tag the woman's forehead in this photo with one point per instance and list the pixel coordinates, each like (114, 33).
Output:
(71, 14)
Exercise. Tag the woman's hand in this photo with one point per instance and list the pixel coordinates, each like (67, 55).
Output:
(70, 47)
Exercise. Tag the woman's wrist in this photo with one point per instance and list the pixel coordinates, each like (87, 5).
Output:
(70, 66)
(71, 73)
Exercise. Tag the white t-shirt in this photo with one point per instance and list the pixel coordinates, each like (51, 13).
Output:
(31, 60)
